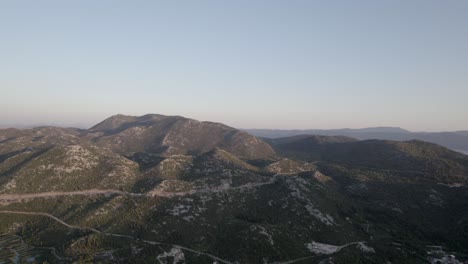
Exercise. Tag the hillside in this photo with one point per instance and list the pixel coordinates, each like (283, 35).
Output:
(175, 135)
(427, 160)
(167, 189)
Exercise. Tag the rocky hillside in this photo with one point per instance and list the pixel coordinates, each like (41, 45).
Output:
(171, 135)
(161, 189)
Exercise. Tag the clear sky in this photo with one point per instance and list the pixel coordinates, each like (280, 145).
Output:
(249, 64)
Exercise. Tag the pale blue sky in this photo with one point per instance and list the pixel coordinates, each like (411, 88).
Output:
(249, 64)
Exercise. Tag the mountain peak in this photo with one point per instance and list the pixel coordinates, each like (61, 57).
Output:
(169, 135)
(113, 122)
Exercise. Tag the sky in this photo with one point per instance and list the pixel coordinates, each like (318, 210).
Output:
(249, 64)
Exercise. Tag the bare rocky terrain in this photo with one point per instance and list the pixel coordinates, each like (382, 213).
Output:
(167, 189)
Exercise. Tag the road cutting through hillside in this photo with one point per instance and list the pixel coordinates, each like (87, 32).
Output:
(6, 199)
(111, 234)
(130, 237)
(9, 198)
(50, 216)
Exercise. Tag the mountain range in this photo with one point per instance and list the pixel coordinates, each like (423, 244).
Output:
(456, 140)
(168, 189)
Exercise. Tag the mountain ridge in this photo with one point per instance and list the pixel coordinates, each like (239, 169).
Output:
(456, 140)
(168, 189)
(170, 135)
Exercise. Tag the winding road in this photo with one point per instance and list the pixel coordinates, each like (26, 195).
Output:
(6, 199)
(111, 234)
(20, 197)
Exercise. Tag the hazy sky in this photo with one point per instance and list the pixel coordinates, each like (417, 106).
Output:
(249, 64)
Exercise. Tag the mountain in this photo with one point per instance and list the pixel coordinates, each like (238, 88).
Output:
(170, 135)
(56, 159)
(453, 140)
(276, 133)
(167, 189)
(425, 160)
(463, 132)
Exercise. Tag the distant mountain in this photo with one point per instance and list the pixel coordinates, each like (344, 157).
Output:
(168, 189)
(453, 140)
(463, 132)
(304, 141)
(426, 159)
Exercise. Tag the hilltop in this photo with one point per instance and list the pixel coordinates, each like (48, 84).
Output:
(170, 135)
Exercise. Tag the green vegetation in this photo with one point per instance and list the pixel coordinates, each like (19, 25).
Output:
(180, 190)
